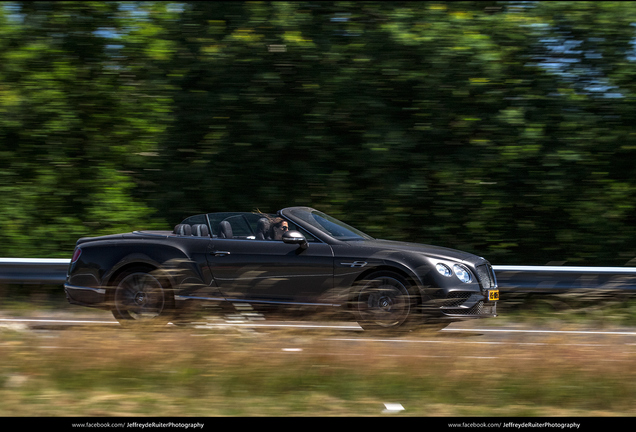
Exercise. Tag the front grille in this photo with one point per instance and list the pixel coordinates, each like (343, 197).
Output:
(456, 298)
(475, 310)
(486, 276)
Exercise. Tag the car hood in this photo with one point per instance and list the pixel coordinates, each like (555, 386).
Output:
(425, 249)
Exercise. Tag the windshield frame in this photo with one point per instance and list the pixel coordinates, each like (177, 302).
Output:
(322, 223)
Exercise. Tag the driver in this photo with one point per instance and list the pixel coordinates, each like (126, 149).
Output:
(278, 227)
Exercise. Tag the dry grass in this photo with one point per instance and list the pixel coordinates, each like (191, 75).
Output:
(186, 372)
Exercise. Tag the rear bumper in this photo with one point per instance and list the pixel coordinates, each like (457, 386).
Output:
(85, 296)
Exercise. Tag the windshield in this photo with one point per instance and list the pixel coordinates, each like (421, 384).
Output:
(329, 225)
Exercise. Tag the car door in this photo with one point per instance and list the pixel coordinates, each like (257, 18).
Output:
(271, 271)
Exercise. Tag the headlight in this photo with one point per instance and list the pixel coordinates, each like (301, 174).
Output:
(444, 270)
(462, 273)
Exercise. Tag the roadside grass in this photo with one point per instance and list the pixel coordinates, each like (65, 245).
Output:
(226, 372)
(568, 309)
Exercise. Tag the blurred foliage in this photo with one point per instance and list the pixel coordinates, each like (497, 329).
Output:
(501, 128)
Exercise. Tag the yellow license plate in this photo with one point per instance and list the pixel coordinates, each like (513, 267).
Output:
(493, 295)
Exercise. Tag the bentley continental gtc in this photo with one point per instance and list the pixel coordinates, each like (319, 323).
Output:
(298, 259)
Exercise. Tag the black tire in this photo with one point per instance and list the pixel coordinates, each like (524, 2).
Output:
(383, 301)
(142, 299)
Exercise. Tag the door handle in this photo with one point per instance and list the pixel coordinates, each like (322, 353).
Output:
(220, 253)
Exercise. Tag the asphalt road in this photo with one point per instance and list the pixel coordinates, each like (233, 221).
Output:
(469, 333)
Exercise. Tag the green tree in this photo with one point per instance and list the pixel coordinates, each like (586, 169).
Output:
(437, 122)
(502, 128)
(74, 126)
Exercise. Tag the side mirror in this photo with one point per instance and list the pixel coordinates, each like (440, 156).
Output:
(295, 237)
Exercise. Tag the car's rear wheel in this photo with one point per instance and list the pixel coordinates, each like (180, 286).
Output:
(383, 301)
(142, 299)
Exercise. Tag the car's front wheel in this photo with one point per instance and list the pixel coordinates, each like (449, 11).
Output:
(142, 298)
(383, 301)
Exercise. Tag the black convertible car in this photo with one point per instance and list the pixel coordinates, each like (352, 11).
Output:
(297, 259)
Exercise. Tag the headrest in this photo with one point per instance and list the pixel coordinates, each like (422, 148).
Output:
(183, 229)
(200, 230)
(225, 230)
(262, 229)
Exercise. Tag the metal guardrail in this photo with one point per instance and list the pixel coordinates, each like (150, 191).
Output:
(511, 279)
(565, 279)
(43, 271)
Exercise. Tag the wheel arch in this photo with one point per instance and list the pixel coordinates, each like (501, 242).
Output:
(413, 281)
(164, 309)
(141, 264)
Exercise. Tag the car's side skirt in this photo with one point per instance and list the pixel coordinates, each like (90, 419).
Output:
(230, 300)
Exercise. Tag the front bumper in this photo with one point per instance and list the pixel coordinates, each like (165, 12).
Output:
(460, 305)
(480, 309)
(466, 304)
